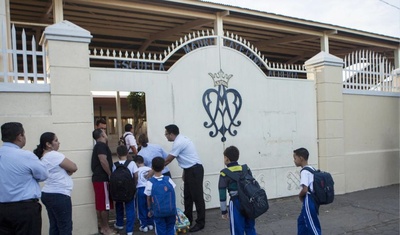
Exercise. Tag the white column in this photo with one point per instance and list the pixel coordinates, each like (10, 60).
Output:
(326, 70)
(397, 58)
(67, 47)
(58, 11)
(5, 36)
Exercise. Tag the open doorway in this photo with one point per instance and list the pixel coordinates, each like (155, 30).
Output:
(132, 110)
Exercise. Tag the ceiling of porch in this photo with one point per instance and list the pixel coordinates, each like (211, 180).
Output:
(152, 25)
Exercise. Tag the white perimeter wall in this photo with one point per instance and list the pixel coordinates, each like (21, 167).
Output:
(371, 131)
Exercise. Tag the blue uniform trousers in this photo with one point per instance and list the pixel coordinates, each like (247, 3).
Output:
(142, 210)
(238, 223)
(130, 214)
(165, 225)
(308, 222)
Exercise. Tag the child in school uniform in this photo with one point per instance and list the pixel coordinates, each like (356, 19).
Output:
(161, 199)
(307, 222)
(146, 222)
(239, 224)
(122, 153)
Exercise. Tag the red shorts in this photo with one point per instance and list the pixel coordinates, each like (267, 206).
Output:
(103, 200)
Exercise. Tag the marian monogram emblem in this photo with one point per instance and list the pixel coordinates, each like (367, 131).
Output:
(222, 106)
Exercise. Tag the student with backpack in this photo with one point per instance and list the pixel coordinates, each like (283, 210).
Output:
(307, 222)
(239, 224)
(146, 222)
(161, 199)
(128, 139)
(123, 189)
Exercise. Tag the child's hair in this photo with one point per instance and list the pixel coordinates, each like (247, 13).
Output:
(122, 151)
(302, 152)
(139, 159)
(232, 153)
(158, 164)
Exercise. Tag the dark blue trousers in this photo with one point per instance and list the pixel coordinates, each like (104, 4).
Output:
(308, 222)
(59, 210)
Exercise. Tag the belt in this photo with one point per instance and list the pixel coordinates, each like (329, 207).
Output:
(194, 166)
(22, 201)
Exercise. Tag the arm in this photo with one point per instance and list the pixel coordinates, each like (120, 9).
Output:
(150, 214)
(150, 174)
(134, 150)
(136, 178)
(39, 170)
(69, 166)
(303, 193)
(222, 187)
(169, 159)
(104, 163)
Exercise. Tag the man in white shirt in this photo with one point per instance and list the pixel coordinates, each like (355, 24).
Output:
(185, 153)
(130, 140)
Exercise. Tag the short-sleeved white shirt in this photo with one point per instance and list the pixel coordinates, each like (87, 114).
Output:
(130, 141)
(58, 181)
(131, 166)
(149, 185)
(142, 173)
(185, 152)
(307, 178)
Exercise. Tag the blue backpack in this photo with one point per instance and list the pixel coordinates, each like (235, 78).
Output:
(162, 197)
(324, 192)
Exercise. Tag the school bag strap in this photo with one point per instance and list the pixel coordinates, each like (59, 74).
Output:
(312, 171)
(126, 163)
(232, 174)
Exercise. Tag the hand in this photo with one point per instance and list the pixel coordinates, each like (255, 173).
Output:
(150, 213)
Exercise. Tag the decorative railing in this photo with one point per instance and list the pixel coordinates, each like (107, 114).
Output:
(20, 70)
(368, 71)
(143, 61)
(193, 41)
(273, 69)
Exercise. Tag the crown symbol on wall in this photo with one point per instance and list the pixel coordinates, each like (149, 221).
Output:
(220, 78)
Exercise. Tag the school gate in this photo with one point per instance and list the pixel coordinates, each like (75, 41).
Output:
(218, 95)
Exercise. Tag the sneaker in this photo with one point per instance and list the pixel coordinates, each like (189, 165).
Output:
(145, 229)
(118, 227)
(151, 227)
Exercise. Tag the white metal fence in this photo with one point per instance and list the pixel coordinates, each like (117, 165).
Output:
(363, 70)
(20, 70)
(368, 71)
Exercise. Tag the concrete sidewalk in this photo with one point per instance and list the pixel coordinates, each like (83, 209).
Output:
(372, 211)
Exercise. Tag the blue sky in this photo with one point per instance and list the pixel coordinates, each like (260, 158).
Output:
(376, 16)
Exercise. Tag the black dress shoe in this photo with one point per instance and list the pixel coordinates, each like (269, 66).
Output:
(196, 228)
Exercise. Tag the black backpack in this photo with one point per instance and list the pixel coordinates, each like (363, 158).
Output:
(122, 139)
(253, 199)
(324, 192)
(122, 183)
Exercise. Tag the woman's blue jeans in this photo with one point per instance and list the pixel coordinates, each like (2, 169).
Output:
(59, 210)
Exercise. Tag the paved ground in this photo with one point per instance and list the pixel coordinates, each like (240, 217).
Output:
(372, 211)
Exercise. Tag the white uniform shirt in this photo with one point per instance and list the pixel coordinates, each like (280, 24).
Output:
(307, 178)
(185, 152)
(58, 181)
(142, 173)
(130, 141)
(131, 166)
